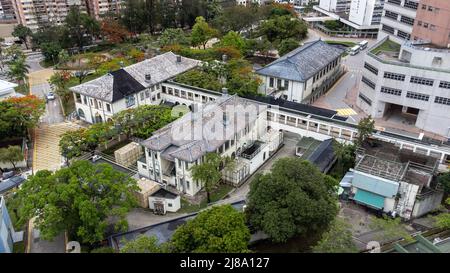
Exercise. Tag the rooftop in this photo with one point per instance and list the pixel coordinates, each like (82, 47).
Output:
(388, 161)
(302, 63)
(131, 79)
(189, 137)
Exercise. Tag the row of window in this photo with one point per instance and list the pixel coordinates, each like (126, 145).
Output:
(394, 76)
(431, 8)
(422, 81)
(186, 94)
(408, 3)
(325, 70)
(97, 104)
(441, 100)
(426, 25)
(369, 83)
(371, 68)
(388, 29)
(417, 96)
(365, 99)
(391, 91)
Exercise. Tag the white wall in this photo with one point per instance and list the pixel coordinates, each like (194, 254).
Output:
(170, 205)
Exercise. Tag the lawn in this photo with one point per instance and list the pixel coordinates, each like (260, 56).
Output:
(387, 45)
(344, 43)
(217, 194)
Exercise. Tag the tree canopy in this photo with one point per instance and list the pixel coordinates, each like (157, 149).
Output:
(283, 27)
(365, 129)
(337, 239)
(78, 199)
(22, 32)
(202, 32)
(287, 45)
(11, 154)
(220, 229)
(144, 244)
(19, 114)
(291, 200)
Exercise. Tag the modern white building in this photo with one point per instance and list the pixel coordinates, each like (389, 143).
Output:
(406, 76)
(230, 126)
(304, 74)
(138, 84)
(335, 6)
(366, 12)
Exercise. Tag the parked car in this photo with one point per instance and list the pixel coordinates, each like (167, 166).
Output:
(50, 96)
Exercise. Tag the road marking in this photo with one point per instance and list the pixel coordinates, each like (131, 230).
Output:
(346, 112)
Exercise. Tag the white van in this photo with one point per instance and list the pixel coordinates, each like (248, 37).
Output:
(354, 50)
(363, 44)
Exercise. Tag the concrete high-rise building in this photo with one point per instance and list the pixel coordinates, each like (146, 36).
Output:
(366, 12)
(7, 14)
(336, 6)
(406, 76)
(37, 12)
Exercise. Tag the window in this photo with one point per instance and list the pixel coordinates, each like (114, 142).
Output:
(441, 100)
(147, 94)
(390, 14)
(425, 25)
(417, 96)
(164, 89)
(78, 97)
(271, 82)
(169, 205)
(424, 6)
(388, 29)
(188, 186)
(153, 88)
(444, 84)
(411, 4)
(407, 20)
(371, 68)
(419, 23)
(142, 95)
(99, 103)
(368, 82)
(81, 113)
(432, 27)
(391, 91)
(395, 2)
(84, 100)
(365, 99)
(130, 101)
(403, 35)
(394, 76)
(108, 107)
(422, 81)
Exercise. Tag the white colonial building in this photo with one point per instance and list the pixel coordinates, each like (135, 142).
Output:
(230, 126)
(138, 84)
(304, 74)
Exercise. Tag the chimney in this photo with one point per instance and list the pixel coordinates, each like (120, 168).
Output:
(224, 92)
(178, 59)
(148, 78)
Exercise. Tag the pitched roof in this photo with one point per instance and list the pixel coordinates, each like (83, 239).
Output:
(131, 79)
(189, 137)
(302, 63)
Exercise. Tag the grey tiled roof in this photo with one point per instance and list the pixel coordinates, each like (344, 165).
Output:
(302, 63)
(184, 138)
(160, 68)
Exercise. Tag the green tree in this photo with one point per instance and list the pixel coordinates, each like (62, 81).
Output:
(51, 51)
(11, 154)
(233, 39)
(59, 81)
(202, 32)
(208, 171)
(443, 219)
(22, 32)
(173, 36)
(19, 114)
(338, 239)
(220, 229)
(79, 199)
(345, 157)
(80, 27)
(143, 244)
(287, 45)
(444, 180)
(293, 199)
(63, 57)
(263, 46)
(283, 27)
(18, 70)
(366, 127)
